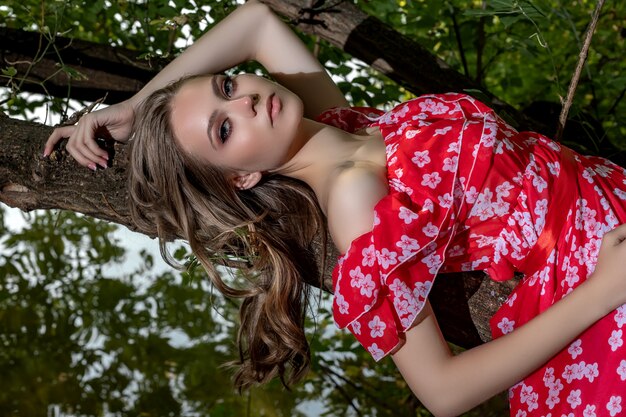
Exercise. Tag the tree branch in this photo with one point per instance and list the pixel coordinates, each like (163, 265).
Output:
(579, 67)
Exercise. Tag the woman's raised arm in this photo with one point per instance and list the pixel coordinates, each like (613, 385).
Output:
(449, 385)
(252, 32)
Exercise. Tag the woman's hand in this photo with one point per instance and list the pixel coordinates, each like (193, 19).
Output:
(114, 122)
(610, 270)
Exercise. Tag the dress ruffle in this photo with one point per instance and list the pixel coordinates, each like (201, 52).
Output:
(382, 282)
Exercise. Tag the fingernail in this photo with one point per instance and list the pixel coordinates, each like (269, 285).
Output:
(103, 165)
(106, 157)
(92, 167)
(45, 154)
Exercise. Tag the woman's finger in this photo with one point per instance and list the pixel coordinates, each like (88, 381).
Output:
(84, 151)
(56, 135)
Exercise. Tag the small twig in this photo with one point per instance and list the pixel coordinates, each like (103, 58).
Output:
(74, 118)
(480, 46)
(579, 67)
(459, 41)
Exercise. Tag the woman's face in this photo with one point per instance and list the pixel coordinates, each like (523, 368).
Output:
(243, 124)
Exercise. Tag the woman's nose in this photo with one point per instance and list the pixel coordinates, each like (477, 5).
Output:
(247, 104)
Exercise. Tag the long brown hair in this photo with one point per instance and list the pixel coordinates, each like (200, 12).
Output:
(270, 232)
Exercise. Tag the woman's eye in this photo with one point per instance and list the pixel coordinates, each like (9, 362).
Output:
(225, 130)
(228, 87)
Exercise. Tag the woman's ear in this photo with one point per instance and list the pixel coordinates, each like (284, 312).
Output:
(244, 181)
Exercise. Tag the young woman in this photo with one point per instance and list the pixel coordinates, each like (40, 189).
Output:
(248, 170)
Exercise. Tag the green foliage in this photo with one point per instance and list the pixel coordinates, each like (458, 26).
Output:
(525, 52)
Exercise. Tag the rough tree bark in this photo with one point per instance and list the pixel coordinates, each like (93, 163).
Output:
(464, 302)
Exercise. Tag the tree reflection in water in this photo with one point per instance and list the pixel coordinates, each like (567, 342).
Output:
(82, 335)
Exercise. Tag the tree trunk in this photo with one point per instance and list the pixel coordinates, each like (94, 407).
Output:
(463, 302)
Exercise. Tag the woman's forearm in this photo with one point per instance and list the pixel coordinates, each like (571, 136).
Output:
(507, 360)
(449, 385)
(229, 43)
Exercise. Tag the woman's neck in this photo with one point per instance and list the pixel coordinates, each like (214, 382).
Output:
(325, 150)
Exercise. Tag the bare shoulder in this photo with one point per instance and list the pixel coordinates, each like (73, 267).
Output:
(351, 201)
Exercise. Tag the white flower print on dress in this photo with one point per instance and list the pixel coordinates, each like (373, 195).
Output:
(376, 353)
(471, 195)
(621, 370)
(620, 316)
(511, 300)
(445, 200)
(456, 250)
(386, 258)
(422, 289)
(526, 393)
(539, 183)
(571, 277)
(506, 326)
(532, 402)
(369, 256)
(377, 327)
(614, 405)
(430, 106)
(429, 205)
(433, 262)
(376, 219)
(356, 327)
(616, 339)
(449, 164)
(554, 167)
(362, 281)
(431, 180)
(575, 348)
(553, 399)
(483, 208)
(442, 131)
(572, 372)
(410, 133)
(399, 288)
(590, 411)
(603, 170)
(407, 244)
(341, 302)
(620, 193)
(407, 215)
(455, 147)
(421, 158)
(591, 371)
(430, 230)
(503, 190)
(574, 398)
(588, 174)
(400, 187)
(548, 377)
(489, 134)
(521, 413)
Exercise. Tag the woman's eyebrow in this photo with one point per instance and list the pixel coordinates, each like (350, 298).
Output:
(216, 93)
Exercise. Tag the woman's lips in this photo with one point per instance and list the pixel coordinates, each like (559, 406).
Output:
(273, 107)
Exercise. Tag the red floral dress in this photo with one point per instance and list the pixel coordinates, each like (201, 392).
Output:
(468, 192)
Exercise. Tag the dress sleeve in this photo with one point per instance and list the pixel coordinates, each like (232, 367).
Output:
(381, 283)
(350, 119)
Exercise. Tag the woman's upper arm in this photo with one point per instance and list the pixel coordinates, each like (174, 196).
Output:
(288, 60)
